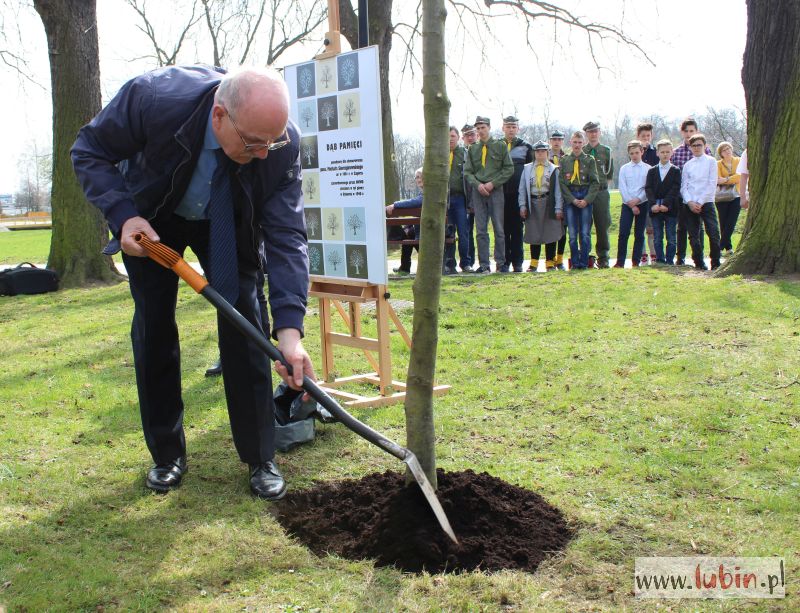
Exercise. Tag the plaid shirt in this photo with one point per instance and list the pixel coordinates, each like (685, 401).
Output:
(683, 154)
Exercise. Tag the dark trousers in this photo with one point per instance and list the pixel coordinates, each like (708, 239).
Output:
(601, 213)
(694, 221)
(471, 236)
(549, 253)
(512, 231)
(639, 223)
(664, 226)
(156, 352)
(728, 216)
(682, 233)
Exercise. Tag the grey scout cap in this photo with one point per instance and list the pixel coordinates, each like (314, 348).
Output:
(480, 119)
(541, 146)
(591, 125)
(467, 128)
(557, 134)
(510, 119)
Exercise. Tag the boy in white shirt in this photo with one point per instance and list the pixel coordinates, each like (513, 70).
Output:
(698, 186)
(632, 177)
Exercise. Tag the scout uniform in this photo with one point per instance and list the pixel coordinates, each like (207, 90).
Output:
(539, 195)
(579, 181)
(555, 158)
(488, 162)
(521, 153)
(467, 129)
(602, 203)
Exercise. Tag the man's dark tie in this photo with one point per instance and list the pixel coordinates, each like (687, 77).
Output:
(223, 266)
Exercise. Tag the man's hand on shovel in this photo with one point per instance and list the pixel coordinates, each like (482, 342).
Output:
(132, 228)
(294, 352)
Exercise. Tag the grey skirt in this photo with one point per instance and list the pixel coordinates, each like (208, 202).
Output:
(540, 228)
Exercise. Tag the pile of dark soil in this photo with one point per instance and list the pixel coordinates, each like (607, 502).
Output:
(498, 525)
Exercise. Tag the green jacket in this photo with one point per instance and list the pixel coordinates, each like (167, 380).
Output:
(588, 177)
(605, 164)
(499, 167)
(457, 170)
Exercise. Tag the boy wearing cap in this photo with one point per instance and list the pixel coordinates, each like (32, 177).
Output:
(468, 137)
(601, 211)
(521, 153)
(487, 169)
(579, 188)
(541, 206)
(556, 153)
(698, 187)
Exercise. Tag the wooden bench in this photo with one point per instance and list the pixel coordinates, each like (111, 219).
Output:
(406, 217)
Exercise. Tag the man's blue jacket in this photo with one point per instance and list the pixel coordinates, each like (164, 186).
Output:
(136, 157)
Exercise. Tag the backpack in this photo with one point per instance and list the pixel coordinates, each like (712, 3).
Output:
(27, 280)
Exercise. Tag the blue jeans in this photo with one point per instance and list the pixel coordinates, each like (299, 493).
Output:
(457, 215)
(626, 220)
(664, 225)
(579, 223)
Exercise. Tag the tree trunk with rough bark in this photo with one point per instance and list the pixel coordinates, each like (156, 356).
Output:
(79, 230)
(420, 430)
(771, 77)
(380, 33)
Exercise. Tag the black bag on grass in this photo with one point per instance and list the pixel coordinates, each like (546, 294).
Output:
(28, 279)
(294, 419)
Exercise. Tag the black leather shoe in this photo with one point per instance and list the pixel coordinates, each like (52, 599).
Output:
(266, 481)
(215, 370)
(165, 477)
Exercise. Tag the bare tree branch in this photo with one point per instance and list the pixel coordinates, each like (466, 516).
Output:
(162, 57)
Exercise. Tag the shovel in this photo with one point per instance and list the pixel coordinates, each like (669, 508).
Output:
(169, 258)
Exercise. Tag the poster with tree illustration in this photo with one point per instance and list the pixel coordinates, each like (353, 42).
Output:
(336, 104)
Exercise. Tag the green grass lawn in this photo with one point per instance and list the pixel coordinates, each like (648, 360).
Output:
(657, 409)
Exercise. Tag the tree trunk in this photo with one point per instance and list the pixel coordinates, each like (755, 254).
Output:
(79, 230)
(420, 430)
(380, 33)
(771, 77)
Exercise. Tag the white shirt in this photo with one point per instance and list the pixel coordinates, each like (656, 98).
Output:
(663, 169)
(632, 178)
(699, 179)
(741, 169)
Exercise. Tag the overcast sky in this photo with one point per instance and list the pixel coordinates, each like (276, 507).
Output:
(696, 48)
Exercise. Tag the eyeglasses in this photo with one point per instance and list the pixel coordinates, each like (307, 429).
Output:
(256, 147)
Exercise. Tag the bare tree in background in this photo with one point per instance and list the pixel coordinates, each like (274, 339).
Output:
(235, 28)
(162, 56)
(409, 151)
(728, 124)
(473, 18)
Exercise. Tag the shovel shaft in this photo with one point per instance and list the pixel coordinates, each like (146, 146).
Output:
(274, 354)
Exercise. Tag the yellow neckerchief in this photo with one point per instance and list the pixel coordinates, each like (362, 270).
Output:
(483, 155)
(451, 160)
(576, 172)
(508, 143)
(539, 175)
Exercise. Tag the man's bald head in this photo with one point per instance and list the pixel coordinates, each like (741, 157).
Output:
(257, 100)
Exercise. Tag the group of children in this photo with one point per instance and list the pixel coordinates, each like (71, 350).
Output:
(541, 194)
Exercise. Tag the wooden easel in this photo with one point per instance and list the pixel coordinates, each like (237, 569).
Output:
(332, 296)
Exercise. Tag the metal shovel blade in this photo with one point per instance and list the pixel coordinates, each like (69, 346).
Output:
(413, 465)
